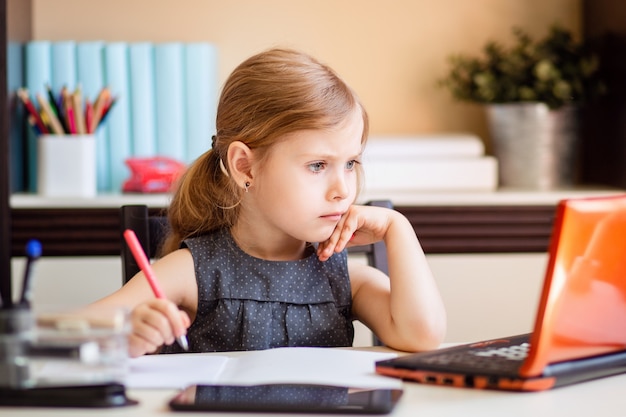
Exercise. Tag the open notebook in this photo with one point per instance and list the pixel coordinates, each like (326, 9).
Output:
(580, 327)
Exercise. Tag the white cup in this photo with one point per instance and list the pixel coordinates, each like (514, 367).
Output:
(66, 166)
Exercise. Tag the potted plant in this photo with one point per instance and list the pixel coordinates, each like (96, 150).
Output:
(532, 91)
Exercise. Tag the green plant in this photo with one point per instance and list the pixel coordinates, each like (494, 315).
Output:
(556, 71)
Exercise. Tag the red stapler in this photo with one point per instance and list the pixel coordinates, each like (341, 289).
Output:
(152, 175)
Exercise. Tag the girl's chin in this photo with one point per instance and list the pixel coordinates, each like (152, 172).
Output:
(316, 234)
(317, 237)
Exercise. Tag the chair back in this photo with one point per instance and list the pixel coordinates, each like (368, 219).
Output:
(151, 231)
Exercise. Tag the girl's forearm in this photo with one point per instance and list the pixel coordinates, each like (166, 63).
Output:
(417, 311)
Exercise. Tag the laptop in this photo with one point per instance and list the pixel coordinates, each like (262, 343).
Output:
(580, 327)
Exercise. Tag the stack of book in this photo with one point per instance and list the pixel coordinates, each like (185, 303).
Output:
(166, 98)
(427, 163)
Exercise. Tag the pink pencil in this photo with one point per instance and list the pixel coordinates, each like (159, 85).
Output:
(144, 264)
(71, 120)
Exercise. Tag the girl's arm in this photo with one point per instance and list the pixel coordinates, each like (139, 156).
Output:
(155, 321)
(405, 309)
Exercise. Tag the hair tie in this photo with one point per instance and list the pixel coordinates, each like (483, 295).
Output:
(213, 141)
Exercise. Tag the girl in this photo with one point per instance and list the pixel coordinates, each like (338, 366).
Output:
(242, 269)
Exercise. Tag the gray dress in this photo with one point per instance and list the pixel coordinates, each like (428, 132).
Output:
(247, 303)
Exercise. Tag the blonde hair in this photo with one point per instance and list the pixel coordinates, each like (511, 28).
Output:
(267, 96)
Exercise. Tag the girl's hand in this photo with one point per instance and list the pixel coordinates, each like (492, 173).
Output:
(360, 225)
(154, 323)
(404, 308)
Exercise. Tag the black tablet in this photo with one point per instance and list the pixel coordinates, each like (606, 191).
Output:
(292, 398)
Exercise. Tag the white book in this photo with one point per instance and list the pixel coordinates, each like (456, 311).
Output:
(431, 174)
(425, 145)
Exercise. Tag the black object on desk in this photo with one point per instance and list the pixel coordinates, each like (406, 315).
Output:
(87, 396)
(281, 398)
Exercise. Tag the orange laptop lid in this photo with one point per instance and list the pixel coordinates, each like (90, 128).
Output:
(582, 310)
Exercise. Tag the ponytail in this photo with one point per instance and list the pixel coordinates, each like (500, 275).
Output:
(205, 199)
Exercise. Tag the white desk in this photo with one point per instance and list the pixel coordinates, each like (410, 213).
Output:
(603, 397)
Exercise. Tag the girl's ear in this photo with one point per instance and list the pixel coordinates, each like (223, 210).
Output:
(240, 158)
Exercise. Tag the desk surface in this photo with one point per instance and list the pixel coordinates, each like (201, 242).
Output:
(605, 397)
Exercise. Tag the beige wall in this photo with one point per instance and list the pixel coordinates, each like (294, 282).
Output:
(391, 52)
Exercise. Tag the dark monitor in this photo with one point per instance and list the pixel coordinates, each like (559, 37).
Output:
(5, 208)
(15, 26)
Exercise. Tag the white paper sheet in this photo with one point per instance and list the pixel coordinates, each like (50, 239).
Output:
(174, 371)
(286, 365)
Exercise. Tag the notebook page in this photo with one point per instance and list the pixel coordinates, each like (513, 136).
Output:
(174, 370)
(308, 365)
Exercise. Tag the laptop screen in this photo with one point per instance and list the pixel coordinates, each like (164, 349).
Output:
(582, 310)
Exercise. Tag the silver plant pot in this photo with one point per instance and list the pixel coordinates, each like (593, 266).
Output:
(536, 148)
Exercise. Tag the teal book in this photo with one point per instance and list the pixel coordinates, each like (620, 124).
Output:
(63, 65)
(17, 117)
(119, 118)
(201, 96)
(38, 75)
(169, 100)
(142, 108)
(90, 77)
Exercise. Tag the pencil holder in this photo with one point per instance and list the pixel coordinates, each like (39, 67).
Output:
(16, 327)
(78, 347)
(66, 166)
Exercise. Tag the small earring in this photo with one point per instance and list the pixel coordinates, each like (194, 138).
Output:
(246, 185)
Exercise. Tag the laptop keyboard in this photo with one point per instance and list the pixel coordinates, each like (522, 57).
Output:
(501, 359)
(512, 353)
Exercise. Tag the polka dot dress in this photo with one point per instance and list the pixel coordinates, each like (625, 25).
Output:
(247, 303)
